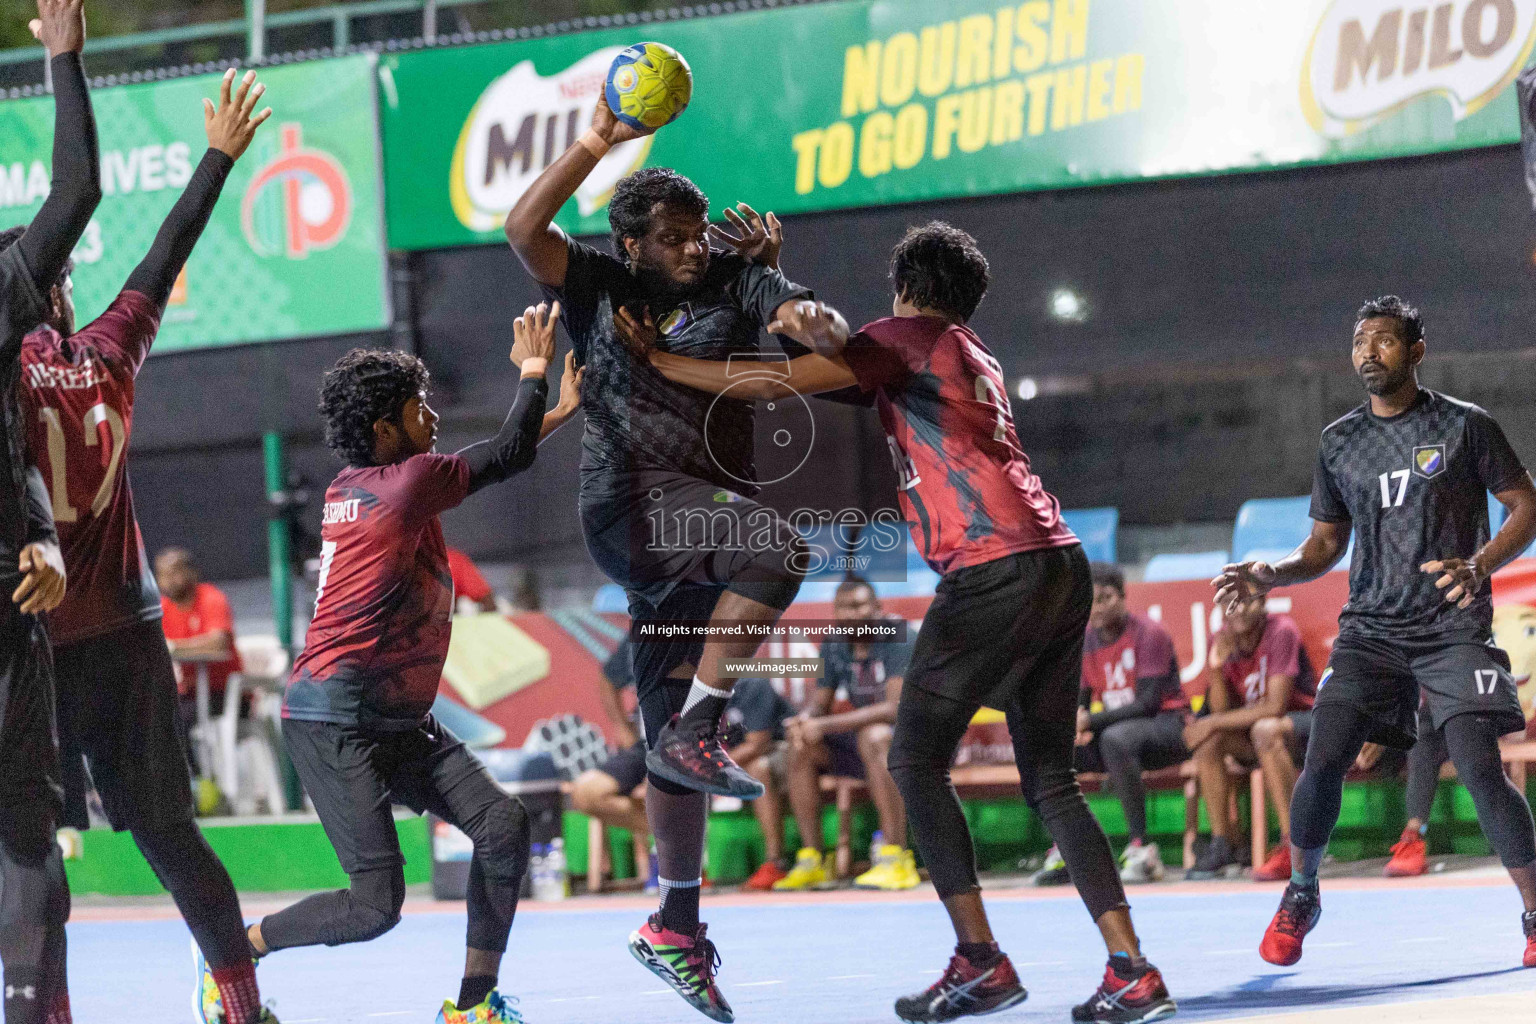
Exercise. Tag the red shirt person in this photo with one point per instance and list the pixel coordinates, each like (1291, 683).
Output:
(196, 619)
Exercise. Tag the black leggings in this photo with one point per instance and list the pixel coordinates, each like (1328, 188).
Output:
(1338, 733)
(928, 731)
(1129, 747)
(188, 868)
(34, 905)
(1424, 762)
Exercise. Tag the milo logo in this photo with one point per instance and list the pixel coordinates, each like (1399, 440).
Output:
(1368, 58)
(519, 125)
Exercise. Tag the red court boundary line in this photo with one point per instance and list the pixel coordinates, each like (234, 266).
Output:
(265, 904)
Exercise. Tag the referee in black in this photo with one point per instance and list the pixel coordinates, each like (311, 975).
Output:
(1409, 470)
(34, 898)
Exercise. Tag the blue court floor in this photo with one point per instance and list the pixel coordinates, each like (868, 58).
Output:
(817, 961)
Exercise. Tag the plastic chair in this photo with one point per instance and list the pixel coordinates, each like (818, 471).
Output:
(1096, 528)
(248, 749)
(1270, 524)
(610, 597)
(1198, 565)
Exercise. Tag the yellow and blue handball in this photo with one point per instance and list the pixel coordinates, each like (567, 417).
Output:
(649, 84)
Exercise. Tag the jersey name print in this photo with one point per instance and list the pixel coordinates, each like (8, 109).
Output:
(1414, 486)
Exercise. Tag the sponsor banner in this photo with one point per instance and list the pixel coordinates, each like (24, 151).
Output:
(295, 246)
(884, 101)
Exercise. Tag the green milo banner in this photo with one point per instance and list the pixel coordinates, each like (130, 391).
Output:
(885, 101)
(295, 246)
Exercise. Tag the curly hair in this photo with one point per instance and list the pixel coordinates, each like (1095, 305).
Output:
(10, 236)
(629, 212)
(1410, 323)
(939, 267)
(367, 385)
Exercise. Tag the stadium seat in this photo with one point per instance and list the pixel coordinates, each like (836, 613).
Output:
(610, 597)
(1271, 524)
(1198, 565)
(1096, 528)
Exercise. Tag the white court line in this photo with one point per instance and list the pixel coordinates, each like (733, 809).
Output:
(846, 977)
(655, 991)
(756, 984)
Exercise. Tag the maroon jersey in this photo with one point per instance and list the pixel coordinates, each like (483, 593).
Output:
(1280, 653)
(1144, 650)
(77, 395)
(383, 610)
(965, 483)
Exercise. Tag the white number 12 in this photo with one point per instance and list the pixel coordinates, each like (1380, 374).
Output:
(1401, 479)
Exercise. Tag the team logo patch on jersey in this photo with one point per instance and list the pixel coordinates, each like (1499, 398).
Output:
(1327, 675)
(676, 322)
(1429, 460)
(727, 497)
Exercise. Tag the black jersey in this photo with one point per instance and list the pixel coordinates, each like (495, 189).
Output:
(21, 309)
(1415, 487)
(635, 417)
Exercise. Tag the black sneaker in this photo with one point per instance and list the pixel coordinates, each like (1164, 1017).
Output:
(964, 990)
(1217, 860)
(691, 755)
(1127, 1000)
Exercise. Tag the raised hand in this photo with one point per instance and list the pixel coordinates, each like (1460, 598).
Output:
(570, 388)
(533, 336)
(610, 129)
(60, 26)
(756, 238)
(231, 126)
(42, 584)
(815, 325)
(1241, 581)
(1462, 575)
(639, 335)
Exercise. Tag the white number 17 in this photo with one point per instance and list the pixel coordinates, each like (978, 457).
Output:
(1400, 477)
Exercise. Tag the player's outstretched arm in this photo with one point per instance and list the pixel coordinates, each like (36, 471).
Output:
(530, 226)
(1316, 555)
(757, 238)
(511, 451)
(76, 187)
(41, 562)
(1462, 578)
(807, 375)
(230, 128)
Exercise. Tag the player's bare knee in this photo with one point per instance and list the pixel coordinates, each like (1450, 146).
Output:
(875, 743)
(1266, 734)
(591, 788)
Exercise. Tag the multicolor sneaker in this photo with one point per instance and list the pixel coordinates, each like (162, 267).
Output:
(1408, 856)
(496, 1009)
(810, 872)
(1299, 910)
(964, 990)
(1528, 922)
(1053, 871)
(1276, 867)
(691, 755)
(1127, 998)
(1141, 864)
(208, 1001)
(764, 878)
(688, 965)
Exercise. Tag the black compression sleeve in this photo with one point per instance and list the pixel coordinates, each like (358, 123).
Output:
(1149, 691)
(156, 274)
(39, 509)
(512, 450)
(76, 187)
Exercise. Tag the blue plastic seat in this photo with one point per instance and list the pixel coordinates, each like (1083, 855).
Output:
(610, 597)
(1271, 524)
(1198, 565)
(1096, 528)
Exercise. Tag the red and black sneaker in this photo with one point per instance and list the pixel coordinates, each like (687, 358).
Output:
(964, 990)
(1528, 922)
(689, 754)
(1127, 995)
(1300, 908)
(1408, 856)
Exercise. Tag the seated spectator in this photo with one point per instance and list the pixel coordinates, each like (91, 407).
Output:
(1410, 852)
(197, 621)
(1131, 718)
(614, 792)
(1259, 708)
(757, 712)
(851, 744)
(471, 593)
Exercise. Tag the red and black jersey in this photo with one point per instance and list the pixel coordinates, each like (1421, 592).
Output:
(1279, 652)
(77, 397)
(965, 482)
(1143, 650)
(375, 649)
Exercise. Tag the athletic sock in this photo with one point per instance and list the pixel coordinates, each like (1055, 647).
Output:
(1128, 967)
(24, 996)
(237, 987)
(981, 955)
(1423, 830)
(473, 990)
(58, 1013)
(1304, 868)
(679, 910)
(705, 703)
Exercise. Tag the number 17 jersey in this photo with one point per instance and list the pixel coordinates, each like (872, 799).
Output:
(965, 484)
(77, 398)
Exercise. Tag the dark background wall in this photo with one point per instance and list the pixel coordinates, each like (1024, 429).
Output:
(1214, 350)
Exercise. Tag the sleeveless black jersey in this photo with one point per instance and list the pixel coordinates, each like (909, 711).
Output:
(1415, 488)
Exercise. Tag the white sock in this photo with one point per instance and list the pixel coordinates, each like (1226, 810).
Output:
(699, 690)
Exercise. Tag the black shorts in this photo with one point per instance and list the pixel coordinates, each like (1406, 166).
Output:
(353, 776)
(626, 767)
(846, 762)
(118, 715)
(1009, 630)
(1382, 679)
(1159, 740)
(31, 795)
